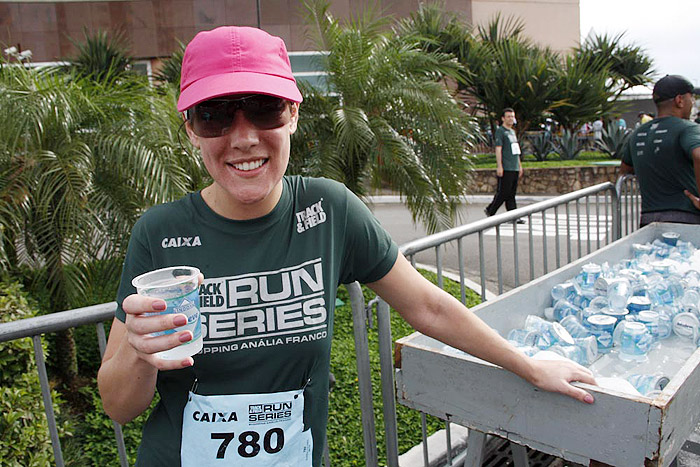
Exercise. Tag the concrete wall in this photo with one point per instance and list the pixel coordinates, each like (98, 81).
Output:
(553, 23)
(154, 26)
(550, 181)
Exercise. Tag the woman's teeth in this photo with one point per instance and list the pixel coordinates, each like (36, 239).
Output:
(245, 166)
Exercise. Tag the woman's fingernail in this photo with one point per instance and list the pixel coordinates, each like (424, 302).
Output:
(159, 306)
(179, 320)
(187, 362)
(185, 336)
(588, 399)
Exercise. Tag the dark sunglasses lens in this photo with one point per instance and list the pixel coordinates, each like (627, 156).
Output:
(214, 118)
(265, 112)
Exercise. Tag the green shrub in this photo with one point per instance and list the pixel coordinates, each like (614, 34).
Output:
(344, 415)
(96, 434)
(23, 427)
(540, 144)
(613, 139)
(568, 145)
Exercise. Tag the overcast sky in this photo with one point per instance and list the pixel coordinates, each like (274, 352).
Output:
(669, 30)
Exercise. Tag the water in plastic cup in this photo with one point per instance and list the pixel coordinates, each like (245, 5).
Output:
(670, 238)
(602, 327)
(179, 287)
(648, 384)
(635, 342)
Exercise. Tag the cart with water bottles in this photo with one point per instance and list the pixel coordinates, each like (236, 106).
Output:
(629, 312)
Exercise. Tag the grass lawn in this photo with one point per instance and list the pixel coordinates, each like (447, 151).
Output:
(344, 415)
(488, 161)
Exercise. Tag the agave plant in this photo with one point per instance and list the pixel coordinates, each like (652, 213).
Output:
(613, 139)
(101, 56)
(390, 119)
(79, 160)
(568, 145)
(541, 144)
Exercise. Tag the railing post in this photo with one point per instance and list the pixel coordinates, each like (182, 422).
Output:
(118, 434)
(617, 209)
(364, 380)
(48, 404)
(386, 362)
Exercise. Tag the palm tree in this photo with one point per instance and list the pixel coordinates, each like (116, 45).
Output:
(388, 120)
(582, 91)
(501, 68)
(79, 160)
(626, 65)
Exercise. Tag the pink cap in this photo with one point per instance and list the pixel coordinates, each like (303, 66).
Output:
(235, 60)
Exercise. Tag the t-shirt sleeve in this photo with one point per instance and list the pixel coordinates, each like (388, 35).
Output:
(138, 260)
(500, 138)
(369, 250)
(690, 139)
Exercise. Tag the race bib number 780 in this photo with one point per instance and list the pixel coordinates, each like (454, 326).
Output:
(245, 429)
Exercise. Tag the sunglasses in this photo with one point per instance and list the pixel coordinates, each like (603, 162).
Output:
(213, 118)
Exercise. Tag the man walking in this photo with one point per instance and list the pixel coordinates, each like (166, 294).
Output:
(508, 168)
(665, 155)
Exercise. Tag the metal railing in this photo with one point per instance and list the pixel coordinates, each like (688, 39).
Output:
(56, 322)
(602, 199)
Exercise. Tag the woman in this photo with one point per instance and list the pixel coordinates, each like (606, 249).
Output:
(273, 250)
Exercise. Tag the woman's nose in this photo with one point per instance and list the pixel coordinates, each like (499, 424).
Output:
(243, 133)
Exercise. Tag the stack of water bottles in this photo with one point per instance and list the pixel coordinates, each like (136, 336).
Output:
(625, 309)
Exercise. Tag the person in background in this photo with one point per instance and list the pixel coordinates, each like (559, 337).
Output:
(622, 124)
(598, 129)
(508, 166)
(664, 153)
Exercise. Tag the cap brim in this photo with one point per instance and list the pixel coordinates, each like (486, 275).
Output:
(237, 83)
(696, 91)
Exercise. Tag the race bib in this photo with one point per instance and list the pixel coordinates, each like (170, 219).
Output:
(515, 148)
(251, 430)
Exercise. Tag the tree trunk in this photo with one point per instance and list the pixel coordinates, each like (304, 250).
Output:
(66, 357)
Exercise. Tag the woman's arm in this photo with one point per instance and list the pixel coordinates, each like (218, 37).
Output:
(435, 313)
(127, 376)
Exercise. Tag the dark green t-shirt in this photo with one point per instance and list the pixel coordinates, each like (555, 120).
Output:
(507, 140)
(660, 152)
(267, 302)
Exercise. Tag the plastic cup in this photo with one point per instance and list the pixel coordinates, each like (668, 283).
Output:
(635, 342)
(179, 287)
(602, 327)
(670, 238)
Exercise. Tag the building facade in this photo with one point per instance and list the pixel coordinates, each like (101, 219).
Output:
(153, 27)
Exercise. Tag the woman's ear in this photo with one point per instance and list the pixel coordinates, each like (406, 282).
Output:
(294, 120)
(194, 139)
